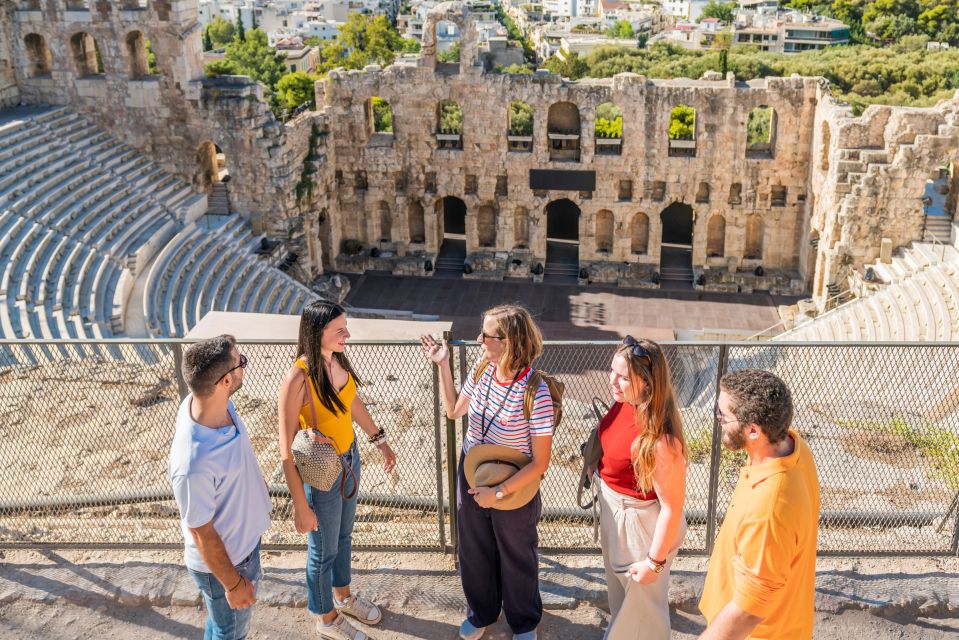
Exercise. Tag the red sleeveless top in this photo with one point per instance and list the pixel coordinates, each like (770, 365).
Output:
(617, 431)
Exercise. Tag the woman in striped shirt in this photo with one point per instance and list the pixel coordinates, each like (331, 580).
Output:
(499, 565)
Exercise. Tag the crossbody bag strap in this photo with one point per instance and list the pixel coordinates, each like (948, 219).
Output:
(346, 468)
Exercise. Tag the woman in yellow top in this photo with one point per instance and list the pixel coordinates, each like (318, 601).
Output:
(322, 368)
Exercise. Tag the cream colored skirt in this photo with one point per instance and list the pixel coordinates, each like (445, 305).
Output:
(626, 527)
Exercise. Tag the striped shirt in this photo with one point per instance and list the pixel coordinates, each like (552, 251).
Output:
(510, 427)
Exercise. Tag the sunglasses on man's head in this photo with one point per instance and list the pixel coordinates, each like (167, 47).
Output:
(243, 362)
(638, 350)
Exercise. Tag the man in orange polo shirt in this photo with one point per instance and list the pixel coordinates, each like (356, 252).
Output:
(761, 578)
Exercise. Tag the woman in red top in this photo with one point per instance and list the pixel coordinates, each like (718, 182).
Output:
(642, 488)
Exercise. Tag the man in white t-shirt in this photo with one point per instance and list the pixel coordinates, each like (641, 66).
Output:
(219, 488)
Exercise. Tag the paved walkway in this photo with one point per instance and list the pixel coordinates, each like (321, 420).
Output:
(567, 311)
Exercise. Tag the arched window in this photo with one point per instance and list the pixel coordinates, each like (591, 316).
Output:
(760, 132)
(137, 55)
(563, 130)
(38, 54)
(716, 237)
(211, 166)
(521, 226)
(640, 234)
(825, 140)
(609, 129)
(380, 115)
(449, 125)
(682, 131)
(86, 55)
(754, 238)
(486, 225)
(702, 192)
(417, 223)
(386, 222)
(133, 5)
(520, 126)
(604, 231)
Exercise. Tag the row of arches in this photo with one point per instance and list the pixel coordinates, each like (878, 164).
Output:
(564, 126)
(562, 220)
(82, 5)
(87, 57)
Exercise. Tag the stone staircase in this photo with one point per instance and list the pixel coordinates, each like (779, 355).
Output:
(450, 260)
(219, 202)
(937, 228)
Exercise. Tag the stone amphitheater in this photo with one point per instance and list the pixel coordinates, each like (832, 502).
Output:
(133, 200)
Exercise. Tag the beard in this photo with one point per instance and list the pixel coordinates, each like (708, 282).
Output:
(239, 385)
(734, 440)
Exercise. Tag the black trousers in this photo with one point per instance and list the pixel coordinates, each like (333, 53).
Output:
(499, 564)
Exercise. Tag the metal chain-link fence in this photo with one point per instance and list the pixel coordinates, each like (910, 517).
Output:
(85, 431)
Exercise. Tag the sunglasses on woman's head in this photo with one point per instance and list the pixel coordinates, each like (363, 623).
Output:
(638, 350)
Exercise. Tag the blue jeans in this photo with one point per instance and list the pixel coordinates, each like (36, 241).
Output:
(222, 622)
(330, 547)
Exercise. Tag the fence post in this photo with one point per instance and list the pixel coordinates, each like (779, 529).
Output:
(955, 531)
(438, 455)
(178, 365)
(451, 459)
(715, 454)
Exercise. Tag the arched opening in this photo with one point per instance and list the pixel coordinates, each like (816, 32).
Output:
(682, 131)
(604, 231)
(448, 47)
(417, 223)
(380, 116)
(676, 251)
(760, 132)
(520, 127)
(754, 238)
(211, 166)
(133, 5)
(716, 237)
(521, 227)
(608, 129)
(137, 55)
(78, 5)
(825, 140)
(86, 55)
(562, 239)
(702, 192)
(563, 131)
(385, 222)
(449, 125)
(639, 244)
(486, 226)
(452, 254)
(38, 54)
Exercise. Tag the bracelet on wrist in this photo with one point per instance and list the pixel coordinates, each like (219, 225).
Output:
(655, 561)
(376, 437)
(382, 441)
(238, 583)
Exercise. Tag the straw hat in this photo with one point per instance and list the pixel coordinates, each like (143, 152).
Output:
(487, 465)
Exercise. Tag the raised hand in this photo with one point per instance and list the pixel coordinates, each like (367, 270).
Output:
(437, 352)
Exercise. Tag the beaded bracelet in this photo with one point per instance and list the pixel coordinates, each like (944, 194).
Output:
(376, 437)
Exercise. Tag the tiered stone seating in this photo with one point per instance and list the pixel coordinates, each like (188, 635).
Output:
(211, 266)
(919, 301)
(78, 209)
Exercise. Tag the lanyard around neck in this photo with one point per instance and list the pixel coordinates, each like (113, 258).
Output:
(484, 426)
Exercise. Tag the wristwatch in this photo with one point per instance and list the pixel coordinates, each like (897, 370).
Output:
(499, 492)
(655, 567)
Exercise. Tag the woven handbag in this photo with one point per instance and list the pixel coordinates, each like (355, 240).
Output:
(318, 462)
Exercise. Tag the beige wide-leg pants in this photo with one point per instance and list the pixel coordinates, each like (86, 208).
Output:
(626, 527)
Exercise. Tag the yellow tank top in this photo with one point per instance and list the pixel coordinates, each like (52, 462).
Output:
(337, 427)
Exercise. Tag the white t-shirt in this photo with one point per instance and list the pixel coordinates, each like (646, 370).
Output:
(504, 421)
(216, 477)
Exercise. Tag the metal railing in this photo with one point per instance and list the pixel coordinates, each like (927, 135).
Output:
(85, 431)
(832, 304)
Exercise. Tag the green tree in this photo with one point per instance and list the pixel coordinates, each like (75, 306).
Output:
(620, 29)
(221, 68)
(682, 123)
(716, 9)
(759, 126)
(221, 32)
(362, 40)
(207, 41)
(239, 33)
(520, 119)
(450, 55)
(572, 67)
(151, 59)
(254, 57)
(609, 121)
(382, 115)
(295, 89)
(450, 117)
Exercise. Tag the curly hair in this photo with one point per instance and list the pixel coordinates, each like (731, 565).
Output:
(760, 398)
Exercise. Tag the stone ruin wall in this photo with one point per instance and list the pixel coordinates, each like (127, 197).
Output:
(9, 91)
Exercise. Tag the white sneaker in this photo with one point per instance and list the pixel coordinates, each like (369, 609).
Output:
(356, 606)
(340, 629)
(469, 632)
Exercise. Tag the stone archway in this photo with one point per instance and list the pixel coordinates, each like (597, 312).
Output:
(451, 258)
(676, 247)
(562, 240)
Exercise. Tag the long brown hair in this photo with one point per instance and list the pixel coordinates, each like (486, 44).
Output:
(657, 413)
(524, 342)
(313, 321)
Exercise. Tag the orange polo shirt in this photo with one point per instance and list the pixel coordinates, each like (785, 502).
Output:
(764, 559)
